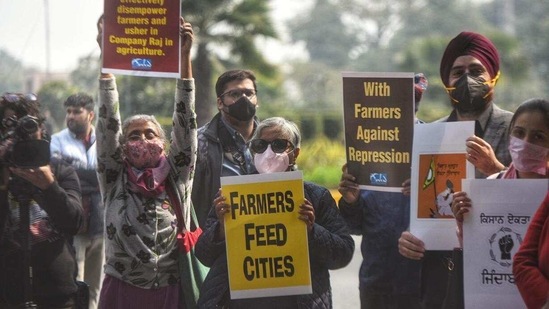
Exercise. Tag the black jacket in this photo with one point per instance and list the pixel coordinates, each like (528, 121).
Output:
(330, 247)
(53, 261)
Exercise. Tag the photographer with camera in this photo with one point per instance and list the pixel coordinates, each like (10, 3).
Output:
(40, 211)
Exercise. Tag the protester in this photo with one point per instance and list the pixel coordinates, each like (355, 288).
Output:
(141, 184)
(531, 262)
(76, 145)
(386, 279)
(50, 193)
(330, 245)
(529, 147)
(469, 70)
(222, 142)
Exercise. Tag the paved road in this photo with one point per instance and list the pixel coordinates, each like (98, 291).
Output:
(345, 282)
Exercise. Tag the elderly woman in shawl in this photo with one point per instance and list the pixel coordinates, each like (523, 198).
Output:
(142, 185)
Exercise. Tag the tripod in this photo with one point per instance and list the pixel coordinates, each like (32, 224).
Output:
(23, 190)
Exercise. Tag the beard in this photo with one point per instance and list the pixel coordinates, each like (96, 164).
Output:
(77, 128)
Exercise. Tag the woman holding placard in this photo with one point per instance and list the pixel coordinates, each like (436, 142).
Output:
(275, 147)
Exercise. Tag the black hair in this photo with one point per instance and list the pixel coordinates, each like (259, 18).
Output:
(80, 100)
(230, 76)
(22, 105)
(532, 105)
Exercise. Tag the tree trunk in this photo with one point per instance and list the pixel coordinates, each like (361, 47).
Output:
(205, 102)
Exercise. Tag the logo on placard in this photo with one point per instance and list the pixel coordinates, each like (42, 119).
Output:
(378, 179)
(503, 245)
(141, 64)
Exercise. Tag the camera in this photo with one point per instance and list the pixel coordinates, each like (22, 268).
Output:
(22, 148)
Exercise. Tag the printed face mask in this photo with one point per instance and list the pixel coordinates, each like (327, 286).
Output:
(144, 153)
(271, 162)
(469, 93)
(528, 157)
(243, 109)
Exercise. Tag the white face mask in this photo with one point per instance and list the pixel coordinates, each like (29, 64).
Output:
(528, 157)
(271, 162)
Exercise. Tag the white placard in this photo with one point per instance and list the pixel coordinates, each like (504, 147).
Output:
(438, 165)
(492, 233)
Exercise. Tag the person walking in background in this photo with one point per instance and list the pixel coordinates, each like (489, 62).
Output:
(469, 70)
(141, 185)
(76, 145)
(222, 142)
(387, 280)
(275, 146)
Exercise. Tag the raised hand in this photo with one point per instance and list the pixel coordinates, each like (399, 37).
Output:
(482, 156)
(348, 188)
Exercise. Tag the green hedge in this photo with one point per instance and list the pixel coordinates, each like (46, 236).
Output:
(321, 160)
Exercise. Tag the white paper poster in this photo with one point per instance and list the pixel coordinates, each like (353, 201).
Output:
(492, 233)
(438, 165)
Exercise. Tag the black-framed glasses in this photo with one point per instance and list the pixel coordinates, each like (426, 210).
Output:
(278, 145)
(235, 94)
(16, 97)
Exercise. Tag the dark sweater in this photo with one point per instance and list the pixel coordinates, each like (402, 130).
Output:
(330, 247)
(55, 217)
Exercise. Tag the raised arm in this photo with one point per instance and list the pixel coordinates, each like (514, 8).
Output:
(109, 128)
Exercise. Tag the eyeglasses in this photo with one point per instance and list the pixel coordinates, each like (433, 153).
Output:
(16, 97)
(278, 145)
(235, 94)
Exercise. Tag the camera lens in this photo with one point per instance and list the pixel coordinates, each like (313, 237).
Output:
(28, 124)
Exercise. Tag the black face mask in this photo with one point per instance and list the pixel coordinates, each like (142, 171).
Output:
(243, 109)
(471, 93)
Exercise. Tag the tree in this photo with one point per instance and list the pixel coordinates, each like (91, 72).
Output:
(52, 95)
(326, 37)
(86, 75)
(11, 73)
(226, 31)
(532, 28)
(146, 95)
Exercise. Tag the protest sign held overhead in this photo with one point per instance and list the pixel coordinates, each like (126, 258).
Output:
(141, 38)
(378, 110)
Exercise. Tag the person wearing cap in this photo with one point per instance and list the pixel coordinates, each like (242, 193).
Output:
(386, 279)
(469, 70)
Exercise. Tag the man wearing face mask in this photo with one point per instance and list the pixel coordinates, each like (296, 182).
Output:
(222, 142)
(469, 70)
